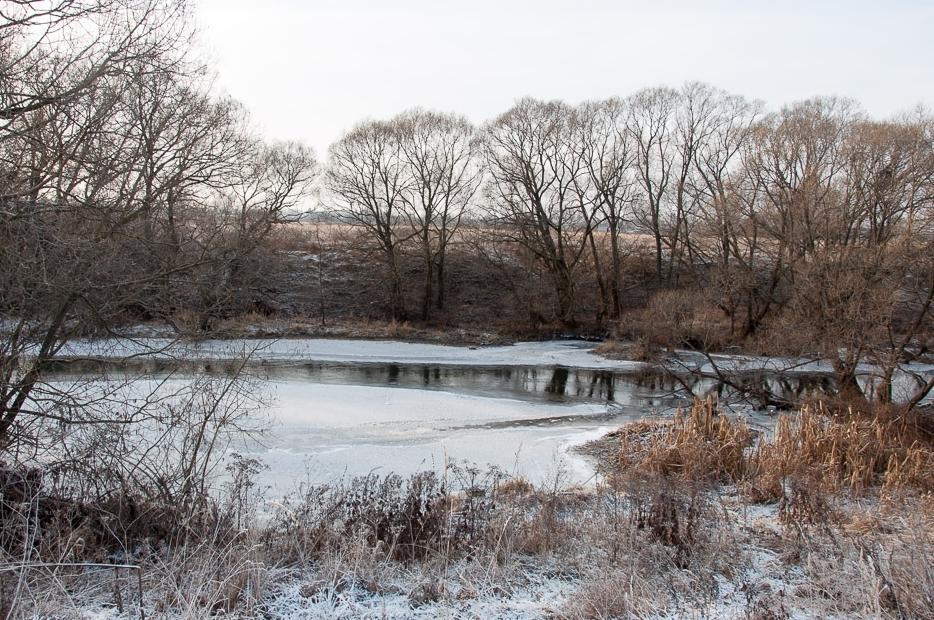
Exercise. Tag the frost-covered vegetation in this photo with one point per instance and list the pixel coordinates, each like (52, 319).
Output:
(694, 516)
(137, 200)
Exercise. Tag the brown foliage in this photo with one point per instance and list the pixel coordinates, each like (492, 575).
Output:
(702, 444)
(851, 452)
(812, 455)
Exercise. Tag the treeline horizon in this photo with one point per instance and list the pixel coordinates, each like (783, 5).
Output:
(722, 188)
(322, 211)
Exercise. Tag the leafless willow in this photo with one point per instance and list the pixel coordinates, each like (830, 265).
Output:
(410, 178)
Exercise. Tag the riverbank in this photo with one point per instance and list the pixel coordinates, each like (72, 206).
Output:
(259, 326)
(743, 563)
(685, 522)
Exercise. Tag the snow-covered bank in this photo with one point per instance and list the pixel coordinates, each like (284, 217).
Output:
(566, 353)
(744, 563)
(570, 353)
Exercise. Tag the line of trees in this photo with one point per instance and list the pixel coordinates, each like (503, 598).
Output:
(409, 178)
(706, 177)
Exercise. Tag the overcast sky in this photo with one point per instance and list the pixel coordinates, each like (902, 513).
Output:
(310, 69)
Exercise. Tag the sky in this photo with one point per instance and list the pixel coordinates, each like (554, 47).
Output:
(309, 70)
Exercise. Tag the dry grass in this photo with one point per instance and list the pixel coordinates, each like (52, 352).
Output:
(436, 541)
(650, 544)
(853, 453)
(613, 349)
(678, 318)
(701, 444)
(850, 453)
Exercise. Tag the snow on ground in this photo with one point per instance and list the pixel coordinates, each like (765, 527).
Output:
(534, 599)
(525, 588)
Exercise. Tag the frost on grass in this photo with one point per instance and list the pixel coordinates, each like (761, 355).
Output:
(694, 522)
(747, 565)
(416, 595)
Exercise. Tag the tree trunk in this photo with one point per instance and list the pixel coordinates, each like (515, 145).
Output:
(847, 385)
(564, 284)
(396, 299)
(439, 303)
(428, 293)
(601, 280)
(616, 306)
(10, 410)
(884, 387)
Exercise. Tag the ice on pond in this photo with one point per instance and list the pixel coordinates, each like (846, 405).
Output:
(322, 432)
(348, 408)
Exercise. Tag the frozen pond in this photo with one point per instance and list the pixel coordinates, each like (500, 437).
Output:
(332, 419)
(346, 408)
(351, 419)
(322, 431)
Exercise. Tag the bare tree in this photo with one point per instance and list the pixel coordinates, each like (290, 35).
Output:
(828, 202)
(265, 190)
(798, 158)
(783, 200)
(650, 120)
(368, 178)
(99, 176)
(888, 178)
(695, 126)
(608, 155)
(717, 159)
(439, 155)
(52, 52)
(535, 169)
